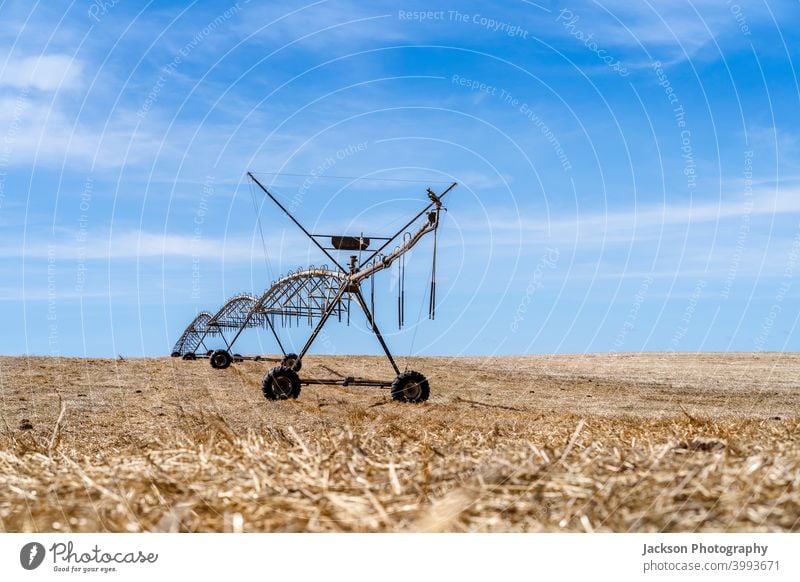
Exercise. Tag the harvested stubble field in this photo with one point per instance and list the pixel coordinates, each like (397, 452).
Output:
(649, 442)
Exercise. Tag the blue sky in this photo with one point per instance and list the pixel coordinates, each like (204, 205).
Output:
(629, 172)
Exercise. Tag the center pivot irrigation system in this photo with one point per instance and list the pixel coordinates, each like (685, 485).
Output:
(315, 294)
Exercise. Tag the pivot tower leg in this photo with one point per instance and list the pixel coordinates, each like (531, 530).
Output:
(328, 310)
(375, 329)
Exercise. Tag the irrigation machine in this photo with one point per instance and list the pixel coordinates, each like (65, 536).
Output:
(315, 294)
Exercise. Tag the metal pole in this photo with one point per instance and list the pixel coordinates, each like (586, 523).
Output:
(275, 334)
(409, 223)
(203, 337)
(322, 321)
(300, 226)
(375, 329)
(247, 320)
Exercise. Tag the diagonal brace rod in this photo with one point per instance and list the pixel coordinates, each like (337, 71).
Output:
(409, 223)
(300, 226)
(375, 329)
(328, 310)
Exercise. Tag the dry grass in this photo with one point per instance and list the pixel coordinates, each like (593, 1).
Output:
(583, 443)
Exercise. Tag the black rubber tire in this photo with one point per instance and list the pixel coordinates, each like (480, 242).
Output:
(289, 360)
(281, 383)
(189, 356)
(209, 352)
(175, 355)
(410, 386)
(220, 359)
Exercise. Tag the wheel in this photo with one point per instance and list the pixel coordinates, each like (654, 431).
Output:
(289, 360)
(281, 383)
(189, 356)
(209, 352)
(220, 359)
(175, 355)
(410, 386)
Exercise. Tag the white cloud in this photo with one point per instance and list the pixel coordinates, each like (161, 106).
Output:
(45, 134)
(321, 26)
(592, 228)
(45, 73)
(628, 225)
(142, 244)
(669, 30)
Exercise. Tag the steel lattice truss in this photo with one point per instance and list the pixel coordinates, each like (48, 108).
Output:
(235, 313)
(300, 296)
(193, 335)
(303, 295)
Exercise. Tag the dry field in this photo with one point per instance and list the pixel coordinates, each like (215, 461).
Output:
(650, 442)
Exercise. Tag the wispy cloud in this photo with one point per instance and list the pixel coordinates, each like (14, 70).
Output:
(647, 222)
(48, 135)
(324, 25)
(45, 73)
(672, 31)
(143, 244)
